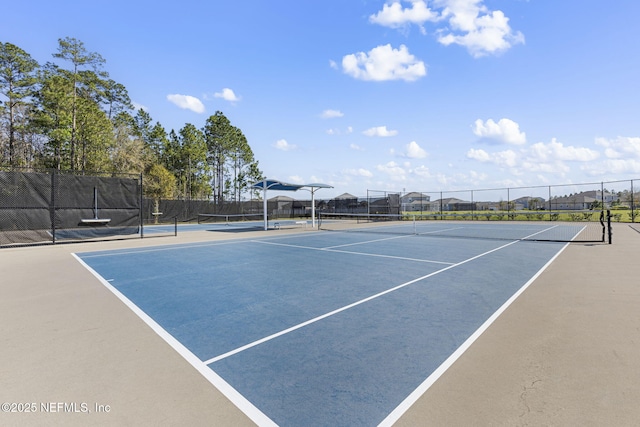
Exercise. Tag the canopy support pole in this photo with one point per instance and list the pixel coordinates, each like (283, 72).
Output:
(264, 205)
(313, 207)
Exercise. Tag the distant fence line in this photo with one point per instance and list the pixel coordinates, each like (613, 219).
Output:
(621, 194)
(51, 205)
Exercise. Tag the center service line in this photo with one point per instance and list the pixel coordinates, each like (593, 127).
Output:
(347, 307)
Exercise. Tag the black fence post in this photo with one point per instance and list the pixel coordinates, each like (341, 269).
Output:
(141, 208)
(609, 226)
(633, 215)
(52, 206)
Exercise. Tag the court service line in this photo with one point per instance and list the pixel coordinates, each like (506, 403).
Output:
(347, 307)
(353, 253)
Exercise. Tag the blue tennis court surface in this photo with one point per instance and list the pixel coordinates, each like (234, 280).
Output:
(323, 328)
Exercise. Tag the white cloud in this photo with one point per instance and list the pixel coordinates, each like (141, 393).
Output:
(551, 158)
(422, 171)
(621, 147)
(393, 170)
(556, 151)
(384, 63)
(227, 94)
(549, 168)
(358, 172)
(414, 151)
(621, 166)
(356, 147)
(138, 107)
(507, 158)
(331, 114)
(505, 130)
(283, 145)
(187, 102)
(470, 23)
(479, 155)
(336, 131)
(393, 15)
(475, 27)
(381, 131)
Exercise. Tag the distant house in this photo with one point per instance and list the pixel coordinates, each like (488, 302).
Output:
(345, 203)
(598, 195)
(281, 200)
(284, 206)
(574, 202)
(415, 202)
(345, 196)
(532, 203)
(280, 205)
(451, 205)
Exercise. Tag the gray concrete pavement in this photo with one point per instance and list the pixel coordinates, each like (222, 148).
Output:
(564, 353)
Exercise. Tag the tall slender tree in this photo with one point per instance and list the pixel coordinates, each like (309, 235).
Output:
(53, 117)
(231, 158)
(17, 85)
(116, 99)
(73, 50)
(217, 133)
(157, 142)
(194, 160)
(242, 164)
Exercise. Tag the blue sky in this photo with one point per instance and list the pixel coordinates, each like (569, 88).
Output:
(420, 95)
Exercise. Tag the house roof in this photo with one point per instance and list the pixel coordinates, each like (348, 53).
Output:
(451, 200)
(414, 194)
(346, 196)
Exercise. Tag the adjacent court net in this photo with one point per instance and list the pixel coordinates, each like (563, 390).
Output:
(576, 226)
(231, 219)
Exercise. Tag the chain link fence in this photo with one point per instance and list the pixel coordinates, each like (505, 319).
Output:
(51, 206)
(39, 207)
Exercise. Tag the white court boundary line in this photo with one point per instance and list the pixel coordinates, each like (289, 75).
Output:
(440, 370)
(178, 246)
(224, 387)
(174, 247)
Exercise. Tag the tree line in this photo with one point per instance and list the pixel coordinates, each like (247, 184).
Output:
(74, 117)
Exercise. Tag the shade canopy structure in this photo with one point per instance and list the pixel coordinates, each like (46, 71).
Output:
(274, 184)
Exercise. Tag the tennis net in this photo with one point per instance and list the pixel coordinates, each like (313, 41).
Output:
(574, 226)
(229, 219)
